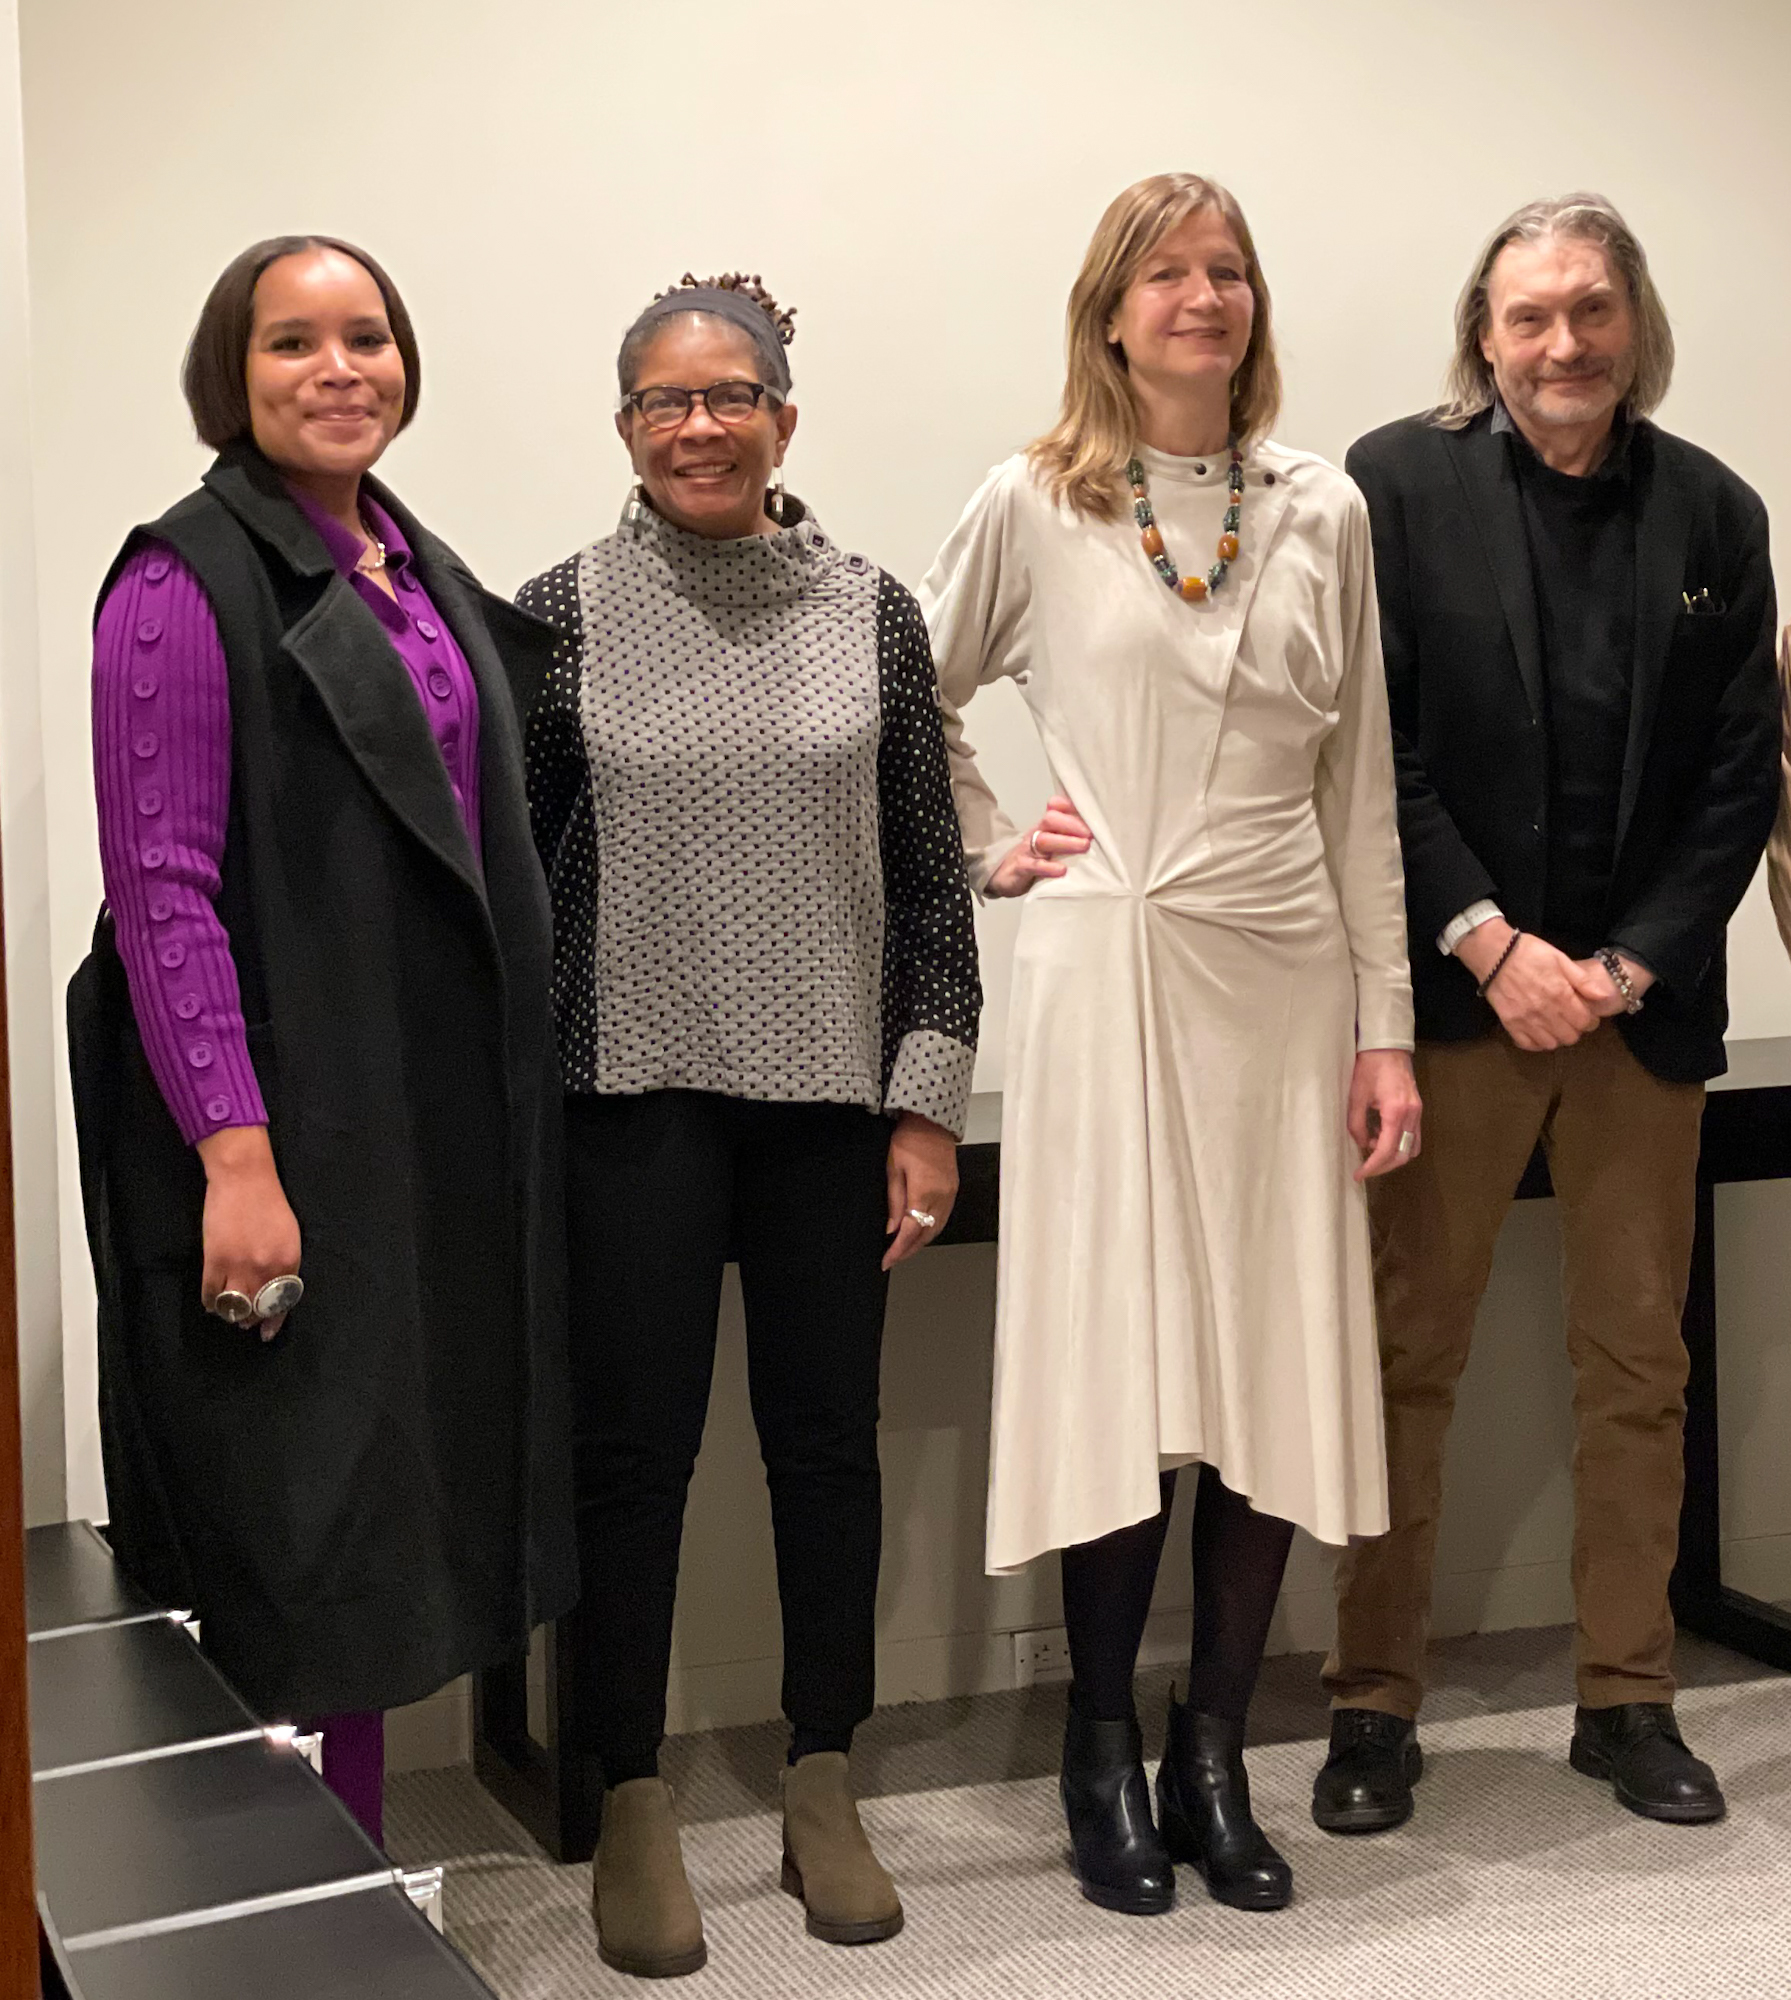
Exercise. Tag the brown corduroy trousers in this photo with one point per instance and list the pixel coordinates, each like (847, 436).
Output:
(1622, 1149)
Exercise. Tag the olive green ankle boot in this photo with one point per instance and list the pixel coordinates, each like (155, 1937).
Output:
(647, 1919)
(827, 1859)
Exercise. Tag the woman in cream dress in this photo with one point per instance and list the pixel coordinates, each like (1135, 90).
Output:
(1211, 1005)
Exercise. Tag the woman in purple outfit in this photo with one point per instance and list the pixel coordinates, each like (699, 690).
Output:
(314, 1072)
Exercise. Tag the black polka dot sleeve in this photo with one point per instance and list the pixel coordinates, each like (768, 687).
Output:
(932, 994)
(563, 818)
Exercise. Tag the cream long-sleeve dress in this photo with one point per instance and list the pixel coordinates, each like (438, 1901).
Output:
(1184, 1263)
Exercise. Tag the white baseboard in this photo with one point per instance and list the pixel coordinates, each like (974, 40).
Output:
(430, 1734)
(1761, 1566)
(725, 1694)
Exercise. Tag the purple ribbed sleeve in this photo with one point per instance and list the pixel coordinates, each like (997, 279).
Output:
(161, 762)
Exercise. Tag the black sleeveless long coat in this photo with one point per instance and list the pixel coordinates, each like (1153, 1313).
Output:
(379, 1499)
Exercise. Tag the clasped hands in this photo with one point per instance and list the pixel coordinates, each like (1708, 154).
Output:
(1545, 999)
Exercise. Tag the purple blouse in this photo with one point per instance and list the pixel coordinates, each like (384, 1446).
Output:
(161, 760)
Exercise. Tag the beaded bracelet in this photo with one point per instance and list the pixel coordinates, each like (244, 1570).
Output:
(1619, 978)
(1510, 946)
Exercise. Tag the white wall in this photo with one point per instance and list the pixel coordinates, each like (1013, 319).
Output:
(27, 874)
(920, 182)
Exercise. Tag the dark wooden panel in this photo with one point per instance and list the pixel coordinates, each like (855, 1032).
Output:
(125, 1691)
(142, 1843)
(371, 1946)
(71, 1579)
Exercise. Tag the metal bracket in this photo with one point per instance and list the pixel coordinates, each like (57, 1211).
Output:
(424, 1887)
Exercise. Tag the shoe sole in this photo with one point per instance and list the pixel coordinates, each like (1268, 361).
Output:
(1183, 1850)
(676, 1967)
(1124, 1905)
(874, 1931)
(1592, 1764)
(1375, 1819)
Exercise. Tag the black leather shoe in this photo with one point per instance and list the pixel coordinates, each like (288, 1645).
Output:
(1638, 1747)
(1119, 1859)
(1366, 1784)
(1203, 1807)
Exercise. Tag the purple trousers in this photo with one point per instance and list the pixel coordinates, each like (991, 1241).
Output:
(354, 1765)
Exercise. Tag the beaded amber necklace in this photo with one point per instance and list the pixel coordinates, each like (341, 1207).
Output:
(1192, 588)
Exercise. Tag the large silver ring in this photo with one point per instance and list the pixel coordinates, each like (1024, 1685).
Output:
(278, 1296)
(236, 1307)
(1032, 843)
(1405, 1143)
(925, 1220)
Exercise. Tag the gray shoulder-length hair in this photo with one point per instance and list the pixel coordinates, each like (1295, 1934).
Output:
(1468, 388)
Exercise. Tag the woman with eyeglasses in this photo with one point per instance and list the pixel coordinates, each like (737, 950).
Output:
(766, 994)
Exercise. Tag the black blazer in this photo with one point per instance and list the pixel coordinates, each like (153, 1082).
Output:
(1465, 678)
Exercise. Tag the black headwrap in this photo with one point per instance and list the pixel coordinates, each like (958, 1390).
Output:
(751, 318)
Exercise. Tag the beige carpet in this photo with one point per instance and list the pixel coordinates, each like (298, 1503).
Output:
(1516, 1878)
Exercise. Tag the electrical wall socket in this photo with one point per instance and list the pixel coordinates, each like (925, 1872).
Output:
(1041, 1656)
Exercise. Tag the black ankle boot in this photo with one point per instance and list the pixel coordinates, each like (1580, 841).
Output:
(1203, 1807)
(1120, 1862)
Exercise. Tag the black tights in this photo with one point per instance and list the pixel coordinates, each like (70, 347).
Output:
(1239, 1557)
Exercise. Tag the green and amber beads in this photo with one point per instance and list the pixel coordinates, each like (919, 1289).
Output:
(1192, 588)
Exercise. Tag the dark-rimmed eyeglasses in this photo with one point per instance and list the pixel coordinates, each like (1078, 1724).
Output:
(664, 407)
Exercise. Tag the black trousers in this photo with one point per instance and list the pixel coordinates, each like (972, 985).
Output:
(663, 1190)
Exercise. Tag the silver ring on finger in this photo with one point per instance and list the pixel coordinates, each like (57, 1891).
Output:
(1405, 1143)
(236, 1307)
(278, 1296)
(1032, 842)
(925, 1220)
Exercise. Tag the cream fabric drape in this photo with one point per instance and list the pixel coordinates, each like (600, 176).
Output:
(1183, 1266)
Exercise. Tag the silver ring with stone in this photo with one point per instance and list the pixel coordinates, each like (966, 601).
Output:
(236, 1307)
(278, 1296)
(925, 1220)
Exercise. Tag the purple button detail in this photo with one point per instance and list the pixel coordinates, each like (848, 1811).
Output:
(199, 1055)
(428, 631)
(157, 568)
(144, 686)
(439, 685)
(405, 580)
(174, 956)
(217, 1108)
(149, 631)
(146, 745)
(149, 803)
(153, 857)
(161, 908)
(187, 1006)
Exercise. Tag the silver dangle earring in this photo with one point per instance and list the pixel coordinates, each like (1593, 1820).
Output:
(634, 515)
(777, 498)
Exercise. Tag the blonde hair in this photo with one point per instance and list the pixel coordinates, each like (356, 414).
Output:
(1082, 459)
(1468, 388)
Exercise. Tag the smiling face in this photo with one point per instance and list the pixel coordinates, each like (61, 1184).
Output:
(324, 375)
(702, 475)
(1185, 319)
(1560, 335)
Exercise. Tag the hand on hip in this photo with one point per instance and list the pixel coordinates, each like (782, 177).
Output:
(1044, 852)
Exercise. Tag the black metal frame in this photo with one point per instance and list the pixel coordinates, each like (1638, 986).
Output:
(558, 1796)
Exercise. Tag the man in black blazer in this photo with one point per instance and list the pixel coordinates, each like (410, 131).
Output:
(1577, 613)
